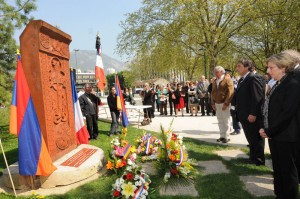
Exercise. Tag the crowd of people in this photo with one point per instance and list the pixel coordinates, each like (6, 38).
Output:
(264, 106)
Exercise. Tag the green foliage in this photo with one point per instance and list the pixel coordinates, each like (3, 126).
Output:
(12, 15)
(168, 37)
(125, 80)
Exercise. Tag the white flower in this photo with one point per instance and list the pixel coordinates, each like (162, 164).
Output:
(136, 177)
(134, 155)
(137, 183)
(121, 180)
(129, 168)
(179, 137)
(129, 162)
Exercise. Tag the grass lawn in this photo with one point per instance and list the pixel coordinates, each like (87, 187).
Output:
(217, 186)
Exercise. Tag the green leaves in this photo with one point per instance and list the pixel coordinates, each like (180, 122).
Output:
(11, 16)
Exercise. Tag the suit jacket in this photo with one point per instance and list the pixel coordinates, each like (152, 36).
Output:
(282, 111)
(148, 98)
(202, 89)
(222, 93)
(89, 104)
(249, 97)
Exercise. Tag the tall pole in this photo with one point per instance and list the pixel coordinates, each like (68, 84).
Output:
(205, 63)
(76, 50)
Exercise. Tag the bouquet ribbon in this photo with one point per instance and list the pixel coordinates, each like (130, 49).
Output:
(181, 157)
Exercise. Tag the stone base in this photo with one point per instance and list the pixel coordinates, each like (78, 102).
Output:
(178, 190)
(64, 175)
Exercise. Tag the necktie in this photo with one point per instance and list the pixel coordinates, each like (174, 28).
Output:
(241, 79)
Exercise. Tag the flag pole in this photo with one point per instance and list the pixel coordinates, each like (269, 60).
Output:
(12, 183)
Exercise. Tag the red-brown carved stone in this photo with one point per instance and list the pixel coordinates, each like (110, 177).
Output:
(45, 58)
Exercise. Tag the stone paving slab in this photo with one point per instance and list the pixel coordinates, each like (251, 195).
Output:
(212, 167)
(259, 185)
(149, 168)
(231, 154)
(179, 189)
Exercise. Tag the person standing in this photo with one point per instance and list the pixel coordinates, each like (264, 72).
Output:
(203, 95)
(193, 99)
(147, 101)
(162, 96)
(222, 93)
(235, 121)
(281, 125)
(114, 112)
(295, 56)
(248, 100)
(89, 106)
(171, 90)
(185, 88)
(179, 101)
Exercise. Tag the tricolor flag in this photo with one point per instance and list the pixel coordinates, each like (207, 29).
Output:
(82, 135)
(121, 105)
(99, 69)
(34, 158)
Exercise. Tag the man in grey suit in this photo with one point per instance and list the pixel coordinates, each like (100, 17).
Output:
(203, 95)
(247, 100)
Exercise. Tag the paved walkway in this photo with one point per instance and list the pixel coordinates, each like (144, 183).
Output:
(204, 128)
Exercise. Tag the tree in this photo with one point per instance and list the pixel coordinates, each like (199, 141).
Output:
(188, 25)
(273, 30)
(11, 17)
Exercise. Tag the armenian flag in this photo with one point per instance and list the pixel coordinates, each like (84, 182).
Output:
(121, 106)
(34, 158)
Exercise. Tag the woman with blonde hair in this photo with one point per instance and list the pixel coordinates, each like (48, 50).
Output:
(280, 124)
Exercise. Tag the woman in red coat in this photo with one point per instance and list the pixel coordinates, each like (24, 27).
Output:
(179, 101)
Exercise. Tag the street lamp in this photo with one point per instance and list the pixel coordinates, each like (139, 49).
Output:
(204, 56)
(76, 50)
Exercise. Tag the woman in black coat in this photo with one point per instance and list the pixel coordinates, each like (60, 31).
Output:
(280, 125)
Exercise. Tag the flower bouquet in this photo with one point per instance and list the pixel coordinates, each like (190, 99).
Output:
(148, 147)
(173, 157)
(133, 184)
(122, 153)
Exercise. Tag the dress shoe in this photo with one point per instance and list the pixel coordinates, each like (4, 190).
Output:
(225, 140)
(235, 133)
(220, 139)
(259, 162)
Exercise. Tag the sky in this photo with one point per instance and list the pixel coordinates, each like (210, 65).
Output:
(83, 19)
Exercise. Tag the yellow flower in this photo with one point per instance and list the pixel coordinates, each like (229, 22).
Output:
(109, 165)
(128, 189)
(133, 149)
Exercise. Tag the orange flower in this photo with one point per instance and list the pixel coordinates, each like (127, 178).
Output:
(119, 164)
(172, 157)
(109, 165)
(168, 146)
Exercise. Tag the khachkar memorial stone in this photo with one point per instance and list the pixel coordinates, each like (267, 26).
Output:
(45, 59)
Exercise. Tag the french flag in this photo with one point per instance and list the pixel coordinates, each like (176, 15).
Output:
(99, 71)
(82, 135)
(34, 158)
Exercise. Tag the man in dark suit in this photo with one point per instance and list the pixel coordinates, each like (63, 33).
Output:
(89, 106)
(247, 100)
